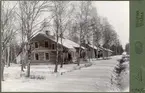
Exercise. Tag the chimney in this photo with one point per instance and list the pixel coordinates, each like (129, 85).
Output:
(47, 32)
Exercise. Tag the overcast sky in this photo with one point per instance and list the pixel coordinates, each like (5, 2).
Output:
(117, 12)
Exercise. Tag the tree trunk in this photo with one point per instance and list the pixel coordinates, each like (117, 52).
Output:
(22, 62)
(93, 52)
(28, 69)
(97, 51)
(107, 52)
(8, 55)
(56, 63)
(78, 63)
(87, 52)
(115, 51)
(89, 56)
(11, 54)
(12, 58)
(22, 67)
(29, 59)
(61, 64)
(2, 69)
(103, 54)
(97, 54)
(79, 54)
(2, 61)
(2, 72)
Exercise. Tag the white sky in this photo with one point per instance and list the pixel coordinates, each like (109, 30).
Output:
(117, 13)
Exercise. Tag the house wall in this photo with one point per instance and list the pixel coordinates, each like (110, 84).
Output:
(41, 50)
(42, 60)
(107, 53)
(91, 53)
(42, 45)
(104, 53)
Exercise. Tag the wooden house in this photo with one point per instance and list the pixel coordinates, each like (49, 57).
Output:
(91, 50)
(43, 49)
(105, 52)
(96, 52)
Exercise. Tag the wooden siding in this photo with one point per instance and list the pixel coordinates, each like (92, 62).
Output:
(52, 57)
(41, 50)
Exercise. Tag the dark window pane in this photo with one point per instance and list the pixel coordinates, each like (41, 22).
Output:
(47, 56)
(36, 44)
(36, 56)
(53, 46)
(46, 44)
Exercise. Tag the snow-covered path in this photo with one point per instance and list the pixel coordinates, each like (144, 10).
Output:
(95, 78)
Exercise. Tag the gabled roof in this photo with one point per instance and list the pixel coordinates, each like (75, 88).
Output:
(97, 48)
(65, 42)
(106, 49)
(68, 42)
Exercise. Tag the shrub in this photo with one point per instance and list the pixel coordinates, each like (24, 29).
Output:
(37, 77)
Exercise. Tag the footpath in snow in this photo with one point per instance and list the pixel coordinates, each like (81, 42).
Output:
(85, 78)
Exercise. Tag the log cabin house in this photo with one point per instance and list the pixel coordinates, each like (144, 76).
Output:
(105, 52)
(96, 52)
(43, 49)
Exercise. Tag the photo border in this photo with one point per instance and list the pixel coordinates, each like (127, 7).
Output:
(137, 34)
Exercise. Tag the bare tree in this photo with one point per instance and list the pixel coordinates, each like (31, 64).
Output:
(97, 28)
(29, 13)
(127, 48)
(83, 22)
(60, 12)
(116, 43)
(65, 11)
(73, 32)
(8, 29)
(109, 34)
(56, 23)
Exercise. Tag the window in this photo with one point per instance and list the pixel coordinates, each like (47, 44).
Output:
(36, 44)
(47, 56)
(36, 56)
(72, 54)
(46, 44)
(53, 46)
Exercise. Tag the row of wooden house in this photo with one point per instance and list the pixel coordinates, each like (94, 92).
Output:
(43, 49)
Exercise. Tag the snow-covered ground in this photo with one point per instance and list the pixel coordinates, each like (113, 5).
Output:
(120, 75)
(70, 78)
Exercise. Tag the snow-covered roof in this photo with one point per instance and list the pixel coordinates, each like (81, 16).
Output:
(106, 49)
(41, 33)
(94, 47)
(65, 42)
(68, 42)
(109, 50)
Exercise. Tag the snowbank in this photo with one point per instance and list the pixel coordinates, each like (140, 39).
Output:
(120, 76)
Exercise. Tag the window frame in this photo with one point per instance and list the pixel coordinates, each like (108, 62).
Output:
(37, 43)
(35, 56)
(45, 56)
(44, 44)
(53, 47)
